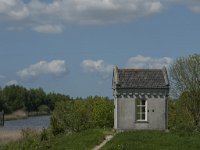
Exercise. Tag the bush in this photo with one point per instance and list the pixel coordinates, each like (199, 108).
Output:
(178, 118)
(77, 115)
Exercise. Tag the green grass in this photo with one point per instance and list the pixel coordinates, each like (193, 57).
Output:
(84, 140)
(154, 140)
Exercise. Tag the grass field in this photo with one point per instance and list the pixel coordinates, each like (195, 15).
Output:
(88, 139)
(84, 140)
(154, 140)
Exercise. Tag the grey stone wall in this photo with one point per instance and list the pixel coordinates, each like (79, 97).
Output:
(124, 113)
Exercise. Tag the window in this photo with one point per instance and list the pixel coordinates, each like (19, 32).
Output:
(141, 110)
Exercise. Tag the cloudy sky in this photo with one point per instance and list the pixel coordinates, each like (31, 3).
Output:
(71, 46)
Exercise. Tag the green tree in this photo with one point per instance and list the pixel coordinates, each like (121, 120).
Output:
(35, 98)
(14, 97)
(185, 75)
(53, 98)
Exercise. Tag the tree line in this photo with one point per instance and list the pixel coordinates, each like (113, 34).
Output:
(15, 97)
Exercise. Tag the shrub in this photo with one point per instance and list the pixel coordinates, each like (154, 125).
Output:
(77, 115)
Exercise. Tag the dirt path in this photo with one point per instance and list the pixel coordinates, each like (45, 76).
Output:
(107, 138)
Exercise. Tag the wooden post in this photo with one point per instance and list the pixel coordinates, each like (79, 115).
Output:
(3, 117)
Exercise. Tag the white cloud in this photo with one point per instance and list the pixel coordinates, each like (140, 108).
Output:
(54, 68)
(48, 28)
(13, 10)
(12, 82)
(148, 62)
(52, 16)
(104, 70)
(97, 66)
(194, 5)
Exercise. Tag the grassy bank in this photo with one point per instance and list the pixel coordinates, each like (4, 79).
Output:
(84, 140)
(154, 140)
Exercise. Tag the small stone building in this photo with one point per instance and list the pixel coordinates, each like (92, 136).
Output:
(140, 98)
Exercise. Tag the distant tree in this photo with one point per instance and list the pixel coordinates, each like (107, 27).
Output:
(36, 97)
(53, 98)
(14, 97)
(185, 75)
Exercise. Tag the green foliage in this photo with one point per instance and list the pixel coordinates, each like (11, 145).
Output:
(44, 135)
(190, 103)
(79, 115)
(178, 118)
(53, 98)
(43, 109)
(101, 112)
(185, 76)
(153, 140)
(14, 97)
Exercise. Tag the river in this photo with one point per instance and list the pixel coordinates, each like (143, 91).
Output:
(37, 122)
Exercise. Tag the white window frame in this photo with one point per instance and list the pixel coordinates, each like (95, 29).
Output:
(136, 113)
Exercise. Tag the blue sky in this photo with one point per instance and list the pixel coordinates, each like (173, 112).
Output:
(71, 46)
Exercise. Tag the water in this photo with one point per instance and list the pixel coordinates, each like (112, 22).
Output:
(38, 122)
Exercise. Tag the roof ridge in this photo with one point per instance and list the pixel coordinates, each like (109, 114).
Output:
(138, 69)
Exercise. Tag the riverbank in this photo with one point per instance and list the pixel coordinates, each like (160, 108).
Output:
(21, 114)
(12, 130)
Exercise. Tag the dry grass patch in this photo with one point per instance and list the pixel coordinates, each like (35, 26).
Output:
(9, 135)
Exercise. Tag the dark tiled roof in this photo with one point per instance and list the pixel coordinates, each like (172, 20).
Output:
(141, 78)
